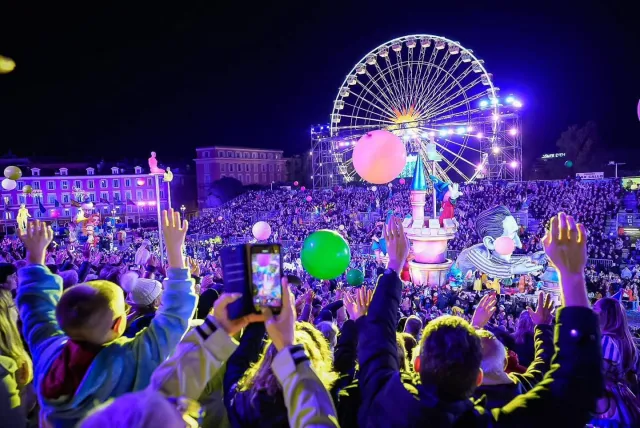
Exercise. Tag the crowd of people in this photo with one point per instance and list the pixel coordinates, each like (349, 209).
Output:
(115, 337)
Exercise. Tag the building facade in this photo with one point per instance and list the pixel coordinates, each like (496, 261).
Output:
(131, 195)
(249, 166)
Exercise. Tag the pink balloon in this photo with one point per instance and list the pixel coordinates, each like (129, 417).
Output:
(261, 230)
(308, 198)
(379, 156)
(295, 183)
(264, 260)
(402, 181)
(303, 188)
(504, 246)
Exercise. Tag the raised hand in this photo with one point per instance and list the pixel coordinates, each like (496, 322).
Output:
(194, 267)
(544, 312)
(485, 310)
(357, 303)
(566, 246)
(36, 238)
(221, 314)
(174, 233)
(281, 327)
(397, 244)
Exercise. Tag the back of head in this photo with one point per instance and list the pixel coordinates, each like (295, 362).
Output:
(450, 357)
(329, 331)
(143, 409)
(613, 323)
(494, 354)
(69, 278)
(413, 326)
(524, 327)
(87, 312)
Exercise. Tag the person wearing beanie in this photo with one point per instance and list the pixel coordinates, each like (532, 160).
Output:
(144, 299)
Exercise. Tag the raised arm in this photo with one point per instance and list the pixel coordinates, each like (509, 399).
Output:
(39, 292)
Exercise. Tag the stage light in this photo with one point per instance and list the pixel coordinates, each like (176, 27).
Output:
(495, 117)
(513, 131)
(494, 101)
(152, 203)
(517, 104)
(484, 103)
(450, 132)
(469, 128)
(495, 149)
(509, 99)
(140, 182)
(310, 153)
(479, 167)
(407, 137)
(513, 164)
(479, 135)
(141, 203)
(443, 132)
(460, 130)
(432, 134)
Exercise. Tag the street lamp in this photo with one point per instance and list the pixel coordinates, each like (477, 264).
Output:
(182, 209)
(614, 163)
(272, 185)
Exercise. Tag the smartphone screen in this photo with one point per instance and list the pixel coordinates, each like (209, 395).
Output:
(266, 267)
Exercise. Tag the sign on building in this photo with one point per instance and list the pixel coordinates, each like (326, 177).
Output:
(590, 175)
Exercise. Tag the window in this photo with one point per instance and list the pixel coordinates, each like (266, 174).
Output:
(7, 200)
(206, 168)
(64, 185)
(37, 200)
(229, 155)
(139, 195)
(77, 184)
(64, 171)
(255, 167)
(220, 154)
(67, 213)
(263, 168)
(223, 167)
(127, 182)
(116, 184)
(35, 172)
(37, 213)
(127, 194)
(90, 171)
(264, 177)
(278, 168)
(22, 199)
(231, 167)
(115, 170)
(91, 184)
(51, 198)
(20, 185)
(36, 185)
(207, 178)
(206, 154)
(245, 155)
(103, 184)
(247, 167)
(161, 194)
(65, 198)
(104, 196)
(92, 197)
(150, 195)
(270, 156)
(261, 155)
(149, 181)
(270, 167)
(247, 178)
(138, 170)
(255, 178)
(238, 155)
(129, 208)
(254, 156)
(116, 196)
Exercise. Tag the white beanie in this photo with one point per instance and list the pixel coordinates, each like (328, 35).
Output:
(144, 291)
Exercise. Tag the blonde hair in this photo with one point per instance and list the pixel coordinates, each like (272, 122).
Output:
(11, 342)
(259, 377)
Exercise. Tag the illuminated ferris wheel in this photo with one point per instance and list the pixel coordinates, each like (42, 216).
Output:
(430, 91)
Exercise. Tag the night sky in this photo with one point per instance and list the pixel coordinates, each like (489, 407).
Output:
(121, 80)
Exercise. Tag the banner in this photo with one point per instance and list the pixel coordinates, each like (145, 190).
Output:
(590, 175)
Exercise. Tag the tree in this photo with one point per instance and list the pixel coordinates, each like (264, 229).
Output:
(223, 190)
(579, 143)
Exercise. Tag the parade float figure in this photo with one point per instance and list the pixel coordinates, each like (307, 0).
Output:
(80, 218)
(153, 165)
(448, 194)
(496, 226)
(168, 176)
(23, 215)
(456, 279)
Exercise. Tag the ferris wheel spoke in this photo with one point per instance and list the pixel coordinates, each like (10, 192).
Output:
(387, 110)
(462, 91)
(430, 65)
(409, 79)
(451, 165)
(387, 103)
(390, 97)
(445, 148)
(394, 81)
(464, 146)
(450, 107)
(448, 74)
(416, 80)
(424, 94)
(387, 121)
(401, 78)
(444, 93)
(358, 108)
(390, 91)
(436, 76)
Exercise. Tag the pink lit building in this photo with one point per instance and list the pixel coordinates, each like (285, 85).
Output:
(249, 166)
(107, 191)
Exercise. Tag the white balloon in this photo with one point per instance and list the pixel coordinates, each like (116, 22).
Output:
(8, 184)
(374, 188)
(341, 227)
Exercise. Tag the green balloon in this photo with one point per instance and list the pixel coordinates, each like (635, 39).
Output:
(568, 164)
(355, 277)
(325, 254)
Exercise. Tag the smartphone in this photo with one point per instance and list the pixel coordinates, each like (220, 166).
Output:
(255, 271)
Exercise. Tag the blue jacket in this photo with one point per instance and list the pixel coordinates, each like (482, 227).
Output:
(122, 366)
(564, 398)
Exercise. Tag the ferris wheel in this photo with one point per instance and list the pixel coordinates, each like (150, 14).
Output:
(430, 91)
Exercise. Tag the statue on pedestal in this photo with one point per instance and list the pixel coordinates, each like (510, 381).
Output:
(491, 224)
(153, 165)
(168, 176)
(23, 215)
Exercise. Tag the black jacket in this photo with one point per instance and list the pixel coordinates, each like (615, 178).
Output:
(564, 398)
